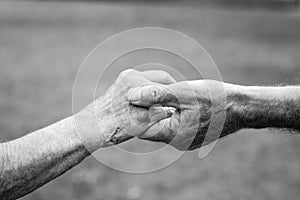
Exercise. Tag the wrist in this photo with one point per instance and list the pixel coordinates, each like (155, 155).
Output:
(235, 98)
(95, 124)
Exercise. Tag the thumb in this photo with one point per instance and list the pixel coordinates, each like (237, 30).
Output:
(149, 95)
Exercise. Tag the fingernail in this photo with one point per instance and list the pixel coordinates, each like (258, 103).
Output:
(134, 94)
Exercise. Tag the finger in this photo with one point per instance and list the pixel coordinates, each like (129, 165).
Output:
(149, 95)
(119, 137)
(166, 131)
(159, 132)
(157, 113)
(159, 76)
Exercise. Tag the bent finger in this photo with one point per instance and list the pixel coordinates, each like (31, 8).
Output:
(159, 132)
(149, 95)
(159, 76)
(157, 113)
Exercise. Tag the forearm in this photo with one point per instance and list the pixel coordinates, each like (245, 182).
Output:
(269, 107)
(35, 159)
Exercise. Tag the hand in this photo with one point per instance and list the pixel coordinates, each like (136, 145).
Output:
(111, 119)
(188, 127)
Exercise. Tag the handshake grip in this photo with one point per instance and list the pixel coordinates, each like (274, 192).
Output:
(152, 106)
(166, 111)
(156, 114)
(193, 109)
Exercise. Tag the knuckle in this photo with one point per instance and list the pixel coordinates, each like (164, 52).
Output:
(156, 93)
(125, 73)
(128, 74)
(166, 76)
(164, 73)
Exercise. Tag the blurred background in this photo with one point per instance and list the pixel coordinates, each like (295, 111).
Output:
(42, 44)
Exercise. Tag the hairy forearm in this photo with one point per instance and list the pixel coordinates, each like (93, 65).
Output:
(269, 107)
(35, 159)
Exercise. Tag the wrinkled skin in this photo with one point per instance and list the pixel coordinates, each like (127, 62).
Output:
(111, 119)
(198, 104)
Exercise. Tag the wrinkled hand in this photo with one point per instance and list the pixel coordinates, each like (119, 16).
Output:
(111, 119)
(188, 127)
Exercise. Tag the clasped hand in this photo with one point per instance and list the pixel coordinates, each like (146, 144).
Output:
(151, 105)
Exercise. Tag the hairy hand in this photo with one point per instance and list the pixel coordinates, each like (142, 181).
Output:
(196, 110)
(111, 119)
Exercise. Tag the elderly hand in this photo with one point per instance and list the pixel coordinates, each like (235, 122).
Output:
(111, 119)
(187, 128)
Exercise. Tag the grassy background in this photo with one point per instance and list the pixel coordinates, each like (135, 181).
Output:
(42, 44)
